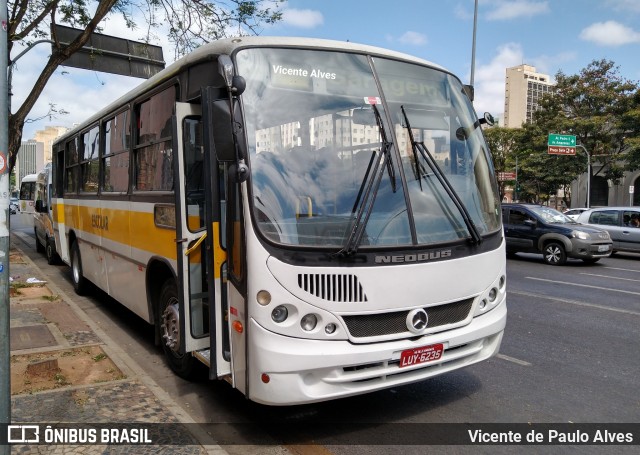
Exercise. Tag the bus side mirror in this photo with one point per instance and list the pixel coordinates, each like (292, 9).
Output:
(222, 126)
(40, 207)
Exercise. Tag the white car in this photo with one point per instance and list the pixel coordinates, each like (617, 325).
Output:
(574, 213)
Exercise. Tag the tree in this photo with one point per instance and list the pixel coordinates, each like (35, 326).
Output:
(525, 150)
(190, 24)
(503, 144)
(602, 110)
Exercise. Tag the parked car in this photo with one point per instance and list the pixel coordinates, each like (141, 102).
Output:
(531, 228)
(622, 223)
(575, 213)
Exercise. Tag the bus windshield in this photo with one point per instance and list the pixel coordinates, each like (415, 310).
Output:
(319, 155)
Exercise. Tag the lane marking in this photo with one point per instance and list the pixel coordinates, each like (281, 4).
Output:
(575, 302)
(610, 277)
(513, 359)
(625, 270)
(583, 285)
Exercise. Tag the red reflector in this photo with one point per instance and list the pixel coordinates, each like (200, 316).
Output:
(265, 378)
(237, 326)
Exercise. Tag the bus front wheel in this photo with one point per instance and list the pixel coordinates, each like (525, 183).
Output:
(80, 284)
(169, 323)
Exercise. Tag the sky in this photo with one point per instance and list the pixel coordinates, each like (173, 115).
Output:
(552, 35)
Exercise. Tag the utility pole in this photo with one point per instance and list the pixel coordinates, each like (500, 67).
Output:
(588, 175)
(5, 351)
(473, 43)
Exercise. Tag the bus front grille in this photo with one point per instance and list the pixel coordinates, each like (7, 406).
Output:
(381, 324)
(332, 287)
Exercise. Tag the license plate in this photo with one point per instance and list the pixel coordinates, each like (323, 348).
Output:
(421, 355)
(602, 248)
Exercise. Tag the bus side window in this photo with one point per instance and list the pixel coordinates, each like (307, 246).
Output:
(194, 169)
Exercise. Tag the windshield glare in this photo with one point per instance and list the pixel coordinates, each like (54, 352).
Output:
(549, 215)
(314, 146)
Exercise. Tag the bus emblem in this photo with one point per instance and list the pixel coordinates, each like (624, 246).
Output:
(417, 320)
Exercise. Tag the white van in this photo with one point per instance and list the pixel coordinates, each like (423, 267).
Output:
(43, 218)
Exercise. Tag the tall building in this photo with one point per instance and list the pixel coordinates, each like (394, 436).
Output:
(30, 159)
(47, 136)
(523, 89)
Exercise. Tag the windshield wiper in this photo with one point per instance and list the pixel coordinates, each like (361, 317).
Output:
(369, 190)
(442, 178)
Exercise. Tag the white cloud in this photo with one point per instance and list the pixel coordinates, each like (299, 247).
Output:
(462, 12)
(414, 38)
(506, 10)
(489, 79)
(302, 18)
(610, 33)
(625, 5)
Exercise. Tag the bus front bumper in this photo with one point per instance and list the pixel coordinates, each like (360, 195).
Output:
(307, 371)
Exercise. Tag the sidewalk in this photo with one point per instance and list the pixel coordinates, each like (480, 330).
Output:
(66, 370)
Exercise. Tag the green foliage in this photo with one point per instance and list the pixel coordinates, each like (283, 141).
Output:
(597, 106)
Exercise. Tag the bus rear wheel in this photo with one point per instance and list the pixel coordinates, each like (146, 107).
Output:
(169, 326)
(80, 284)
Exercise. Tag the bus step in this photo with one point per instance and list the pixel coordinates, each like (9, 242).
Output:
(204, 356)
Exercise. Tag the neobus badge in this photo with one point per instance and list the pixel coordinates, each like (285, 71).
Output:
(420, 257)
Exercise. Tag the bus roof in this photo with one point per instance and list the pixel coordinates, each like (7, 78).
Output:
(29, 178)
(229, 46)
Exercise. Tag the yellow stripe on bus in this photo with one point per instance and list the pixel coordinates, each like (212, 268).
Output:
(135, 229)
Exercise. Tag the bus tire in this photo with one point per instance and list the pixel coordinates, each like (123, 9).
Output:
(80, 284)
(169, 327)
(50, 252)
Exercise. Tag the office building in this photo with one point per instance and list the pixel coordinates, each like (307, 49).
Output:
(524, 87)
(47, 136)
(30, 159)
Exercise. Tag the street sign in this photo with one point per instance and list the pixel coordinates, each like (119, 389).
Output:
(554, 150)
(504, 176)
(111, 54)
(561, 140)
(631, 188)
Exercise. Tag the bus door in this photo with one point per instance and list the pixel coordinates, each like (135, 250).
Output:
(199, 260)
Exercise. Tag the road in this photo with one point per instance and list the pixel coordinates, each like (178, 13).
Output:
(569, 354)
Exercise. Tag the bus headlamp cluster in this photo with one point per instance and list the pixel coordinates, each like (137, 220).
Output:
(281, 314)
(490, 299)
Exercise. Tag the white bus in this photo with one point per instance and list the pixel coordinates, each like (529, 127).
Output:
(43, 217)
(26, 203)
(311, 219)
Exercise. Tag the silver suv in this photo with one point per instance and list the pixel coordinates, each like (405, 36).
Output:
(622, 223)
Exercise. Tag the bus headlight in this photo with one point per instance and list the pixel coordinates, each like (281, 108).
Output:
(263, 298)
(279, 314)
(330, 328)
(308, 322)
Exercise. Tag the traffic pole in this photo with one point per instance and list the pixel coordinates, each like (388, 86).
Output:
(5, 351)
